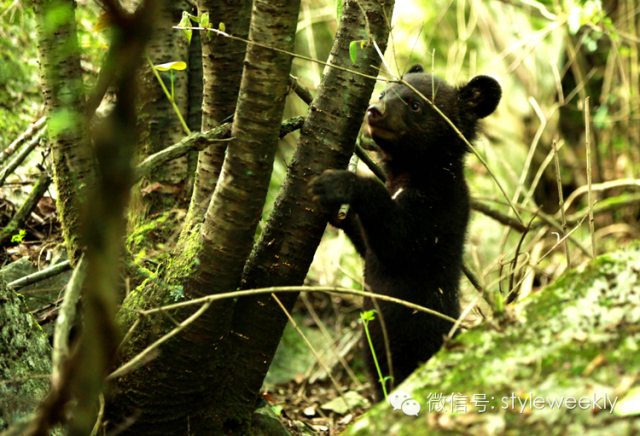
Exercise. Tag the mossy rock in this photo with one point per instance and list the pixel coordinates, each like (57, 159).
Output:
(578, 338)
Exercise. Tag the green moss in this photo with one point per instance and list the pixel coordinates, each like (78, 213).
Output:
(577, 338)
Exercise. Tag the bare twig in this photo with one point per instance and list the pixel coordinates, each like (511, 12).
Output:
(143, 357)
(329, 289)
(313, 350)
(590, 193)
(11, 148)
(41, 275)
(15, 163)
(561, 200)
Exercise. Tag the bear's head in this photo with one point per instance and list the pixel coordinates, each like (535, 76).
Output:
(406, 126)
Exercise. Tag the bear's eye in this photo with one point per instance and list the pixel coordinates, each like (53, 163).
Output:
(415, 107)
(381, 95)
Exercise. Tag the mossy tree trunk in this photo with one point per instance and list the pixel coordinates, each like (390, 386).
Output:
(222, 60)
(63, 92)
(183, 378)
(160, 126)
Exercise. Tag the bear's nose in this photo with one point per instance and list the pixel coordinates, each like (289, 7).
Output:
(373, 113)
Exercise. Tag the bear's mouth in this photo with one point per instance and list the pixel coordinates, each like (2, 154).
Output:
(379, 132)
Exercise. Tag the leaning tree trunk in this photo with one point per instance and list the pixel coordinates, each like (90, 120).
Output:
(286, 247)
(160, 126)
(187, 377)
(63, 92)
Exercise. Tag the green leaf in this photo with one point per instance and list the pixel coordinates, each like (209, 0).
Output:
(368, 315)
(185, 22)
(353, 51)
(178, 65)
(204, 20)
(338, 10)
(222, 27)
(19, 236)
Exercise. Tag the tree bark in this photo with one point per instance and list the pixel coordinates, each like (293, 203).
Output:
(222, 70)
(187, 377)
(158, 123)
(286, 247)
(63, 92)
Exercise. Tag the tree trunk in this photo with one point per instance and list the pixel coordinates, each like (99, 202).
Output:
(184, 378)
(160, 126)
(63, 92)
(222, 69)
(286, 247)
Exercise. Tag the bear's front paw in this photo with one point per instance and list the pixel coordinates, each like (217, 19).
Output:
(333, 187)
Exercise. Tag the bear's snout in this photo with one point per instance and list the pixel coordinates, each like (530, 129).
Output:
(374, 114)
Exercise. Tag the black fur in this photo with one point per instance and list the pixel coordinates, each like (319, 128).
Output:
(412, 232)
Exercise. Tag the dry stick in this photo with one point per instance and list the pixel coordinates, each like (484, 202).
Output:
(328, 289)
(65, 321)
(561, 200)
(550, 221)
(375, 169)
(604, 206)
(498, 216)
(513, 294)
(41, 275)
(600, 187)
(96, 427)
(590, 193)
(7, 152)
(315, 353)
(15, 163)
(21, 216)
(327, 336)
(141, 358)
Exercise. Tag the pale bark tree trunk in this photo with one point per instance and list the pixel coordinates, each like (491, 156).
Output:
(63, 92)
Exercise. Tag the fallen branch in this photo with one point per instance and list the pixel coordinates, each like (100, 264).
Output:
(15, 163)
(21, 216)
(7, 152)
(41, 275)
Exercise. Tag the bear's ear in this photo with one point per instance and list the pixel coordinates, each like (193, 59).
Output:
(481, 95)
(415, 69)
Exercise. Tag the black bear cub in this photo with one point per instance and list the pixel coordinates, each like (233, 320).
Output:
(411, 232)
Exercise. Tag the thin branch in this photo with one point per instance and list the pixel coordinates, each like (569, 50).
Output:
(15, 163)
(41, 275)
(306, 58)
(590, 193)
(315, 353)
(20, 218)
(143, 357)
(561, 200)
(328, 289)
(11, 148)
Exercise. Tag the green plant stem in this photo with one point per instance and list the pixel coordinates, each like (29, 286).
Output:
(373, 353)
(169, 96)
